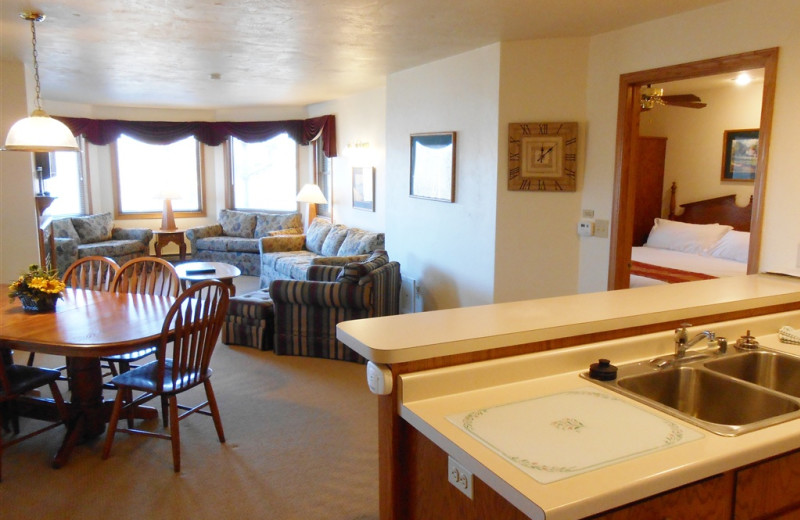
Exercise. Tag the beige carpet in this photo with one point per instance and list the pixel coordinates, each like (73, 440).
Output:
(301, 444)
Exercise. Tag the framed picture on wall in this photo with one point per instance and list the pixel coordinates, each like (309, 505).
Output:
(739, 155)
(364, 188)
(433, 166)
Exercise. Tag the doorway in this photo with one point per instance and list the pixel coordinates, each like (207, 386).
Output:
(628, 131)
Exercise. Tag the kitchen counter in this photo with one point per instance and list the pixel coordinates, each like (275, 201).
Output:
(411, 337)
(428, 398)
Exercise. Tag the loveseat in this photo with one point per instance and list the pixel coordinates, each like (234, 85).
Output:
(78, 237)
(307, 312)
(290, 256)
(234, 239)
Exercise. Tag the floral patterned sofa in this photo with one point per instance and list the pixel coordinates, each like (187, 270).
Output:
(234, 239)
(289, 257)
(78, 237)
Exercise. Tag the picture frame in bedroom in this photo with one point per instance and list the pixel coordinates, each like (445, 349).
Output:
(740, 155)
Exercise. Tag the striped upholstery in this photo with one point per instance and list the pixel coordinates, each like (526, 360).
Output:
(306, 312)
(249, 321)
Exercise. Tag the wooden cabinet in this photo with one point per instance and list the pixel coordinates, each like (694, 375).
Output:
(648, 172)
(769, 487)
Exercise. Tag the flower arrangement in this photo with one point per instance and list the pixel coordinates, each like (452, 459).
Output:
(38, 289)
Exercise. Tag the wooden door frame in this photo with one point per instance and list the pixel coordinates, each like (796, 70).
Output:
(628, 129)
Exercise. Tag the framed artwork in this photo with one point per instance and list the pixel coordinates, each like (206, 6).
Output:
(364, 188)
(739, 155)
(542, 156)
(433, 166)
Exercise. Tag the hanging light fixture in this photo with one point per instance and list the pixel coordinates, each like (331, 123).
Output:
(39, 132)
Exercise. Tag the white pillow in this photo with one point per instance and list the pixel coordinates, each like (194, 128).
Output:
(734, 245)
(688, 238)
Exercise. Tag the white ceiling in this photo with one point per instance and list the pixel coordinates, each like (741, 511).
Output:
(161, 53)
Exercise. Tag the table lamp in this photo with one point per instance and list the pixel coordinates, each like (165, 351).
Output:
(311, 194)
(167, 217)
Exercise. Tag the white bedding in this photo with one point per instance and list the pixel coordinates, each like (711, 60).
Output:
(685, 262)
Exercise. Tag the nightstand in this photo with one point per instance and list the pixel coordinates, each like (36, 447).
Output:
(164, 237)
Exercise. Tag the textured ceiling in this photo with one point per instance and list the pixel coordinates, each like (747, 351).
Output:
(162, 53)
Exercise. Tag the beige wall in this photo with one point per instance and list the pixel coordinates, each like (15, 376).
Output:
(729, 28)
(447, 247)
(18, 246)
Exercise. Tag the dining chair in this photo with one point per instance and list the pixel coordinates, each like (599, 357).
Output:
(188, 337)
(93, 273)
(16, 380)
(142, 275)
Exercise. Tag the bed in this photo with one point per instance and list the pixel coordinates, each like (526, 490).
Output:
(709, 239)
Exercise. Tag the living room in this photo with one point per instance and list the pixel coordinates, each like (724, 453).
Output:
(509, 245)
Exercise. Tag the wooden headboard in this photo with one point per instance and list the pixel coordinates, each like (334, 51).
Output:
(722, 210)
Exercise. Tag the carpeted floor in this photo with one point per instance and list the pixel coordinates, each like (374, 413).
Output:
(301, 444)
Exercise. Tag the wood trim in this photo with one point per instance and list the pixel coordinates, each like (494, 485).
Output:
(627, 129)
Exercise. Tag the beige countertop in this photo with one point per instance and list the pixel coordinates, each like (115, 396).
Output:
(411, 337)
(429, 397)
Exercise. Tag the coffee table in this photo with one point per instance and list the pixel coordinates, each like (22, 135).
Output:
(192, 272)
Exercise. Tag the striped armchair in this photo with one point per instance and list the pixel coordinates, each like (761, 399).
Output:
(306, 312)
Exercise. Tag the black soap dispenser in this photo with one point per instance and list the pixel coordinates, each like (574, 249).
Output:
(603, 370)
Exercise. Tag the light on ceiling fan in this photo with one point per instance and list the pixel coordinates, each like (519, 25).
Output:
(39, 132)
(743, 79)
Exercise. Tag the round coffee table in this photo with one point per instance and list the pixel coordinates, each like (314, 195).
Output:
(192, 272)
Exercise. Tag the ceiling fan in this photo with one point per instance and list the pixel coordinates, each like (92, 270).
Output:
(655, 96)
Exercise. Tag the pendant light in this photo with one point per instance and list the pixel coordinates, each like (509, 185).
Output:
(39, 132)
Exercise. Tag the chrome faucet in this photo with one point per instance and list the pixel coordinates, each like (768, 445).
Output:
(683, 343)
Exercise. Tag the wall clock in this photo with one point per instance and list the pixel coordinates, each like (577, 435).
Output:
(542, 156)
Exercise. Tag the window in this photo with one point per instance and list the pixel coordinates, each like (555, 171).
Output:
(148, 173)
(263, 175)
(323, 175)
(62, 175)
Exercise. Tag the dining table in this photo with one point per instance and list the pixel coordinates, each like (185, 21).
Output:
(85, 326)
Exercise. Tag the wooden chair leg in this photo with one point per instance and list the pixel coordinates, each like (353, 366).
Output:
(112, 425)
(212, 404)
(164, 411)
(175, 434)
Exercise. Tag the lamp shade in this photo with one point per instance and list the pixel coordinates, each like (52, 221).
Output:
(40, 133)
(312, 194)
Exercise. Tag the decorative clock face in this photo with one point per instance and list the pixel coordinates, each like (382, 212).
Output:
(542, 156)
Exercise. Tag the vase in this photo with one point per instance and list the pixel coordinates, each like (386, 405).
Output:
(45, 303)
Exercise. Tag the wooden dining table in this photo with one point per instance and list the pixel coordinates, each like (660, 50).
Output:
(85, 326)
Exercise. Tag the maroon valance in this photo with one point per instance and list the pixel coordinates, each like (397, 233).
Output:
(303, 131)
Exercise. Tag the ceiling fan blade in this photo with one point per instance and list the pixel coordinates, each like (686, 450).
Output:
(684, 104)
(681, 98)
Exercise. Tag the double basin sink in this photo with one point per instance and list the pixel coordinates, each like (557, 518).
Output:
(725, 393)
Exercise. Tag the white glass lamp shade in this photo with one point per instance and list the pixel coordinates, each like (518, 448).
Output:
(312, 194)
(40, 133)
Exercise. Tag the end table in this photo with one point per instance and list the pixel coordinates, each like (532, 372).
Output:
(164, 237)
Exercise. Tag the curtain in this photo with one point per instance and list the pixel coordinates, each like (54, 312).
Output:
(302, 131)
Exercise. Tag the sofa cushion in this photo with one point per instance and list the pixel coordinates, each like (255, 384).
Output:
(334, 240)
(111, 248)
(212, 244)
(359, 242)
(237, 223)
(242, 245)
(63, 228)
(94, 228)
(355, 271)
(268, 222)
(316, 235)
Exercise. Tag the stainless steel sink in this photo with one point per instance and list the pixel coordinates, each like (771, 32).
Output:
(727, 394)
(768, 369)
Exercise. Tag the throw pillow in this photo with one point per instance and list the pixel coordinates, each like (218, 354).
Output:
(94, 228)
(334, 240)
(316, 235)
(63, 228)
(351, 273)
(359, 242)
(282, 232)
(237, 223)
